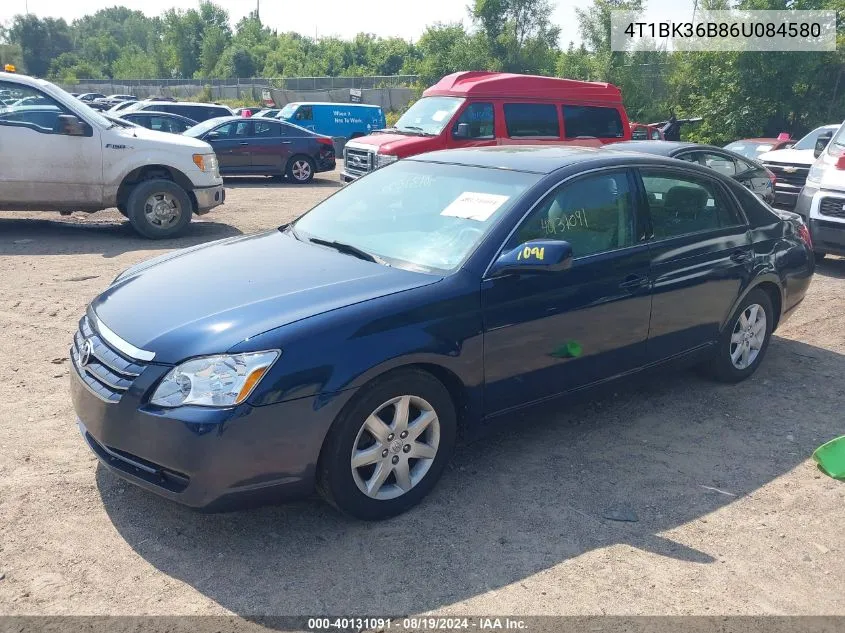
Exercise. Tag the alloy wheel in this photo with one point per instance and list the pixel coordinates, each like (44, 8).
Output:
(301, 170)
(162, 210)
(749, 335)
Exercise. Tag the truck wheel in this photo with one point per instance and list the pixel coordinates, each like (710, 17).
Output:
(300, 169)
(159, 209)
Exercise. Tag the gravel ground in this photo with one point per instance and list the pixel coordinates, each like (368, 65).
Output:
(732, 516)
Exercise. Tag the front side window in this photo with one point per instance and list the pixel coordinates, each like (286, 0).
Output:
(531, 120)
(480, 122)
(592, 122)
(594, 214)
(429, 115)
(30, 108)
(305, 113)
(417, 215)
(683, 204)
(165, 124)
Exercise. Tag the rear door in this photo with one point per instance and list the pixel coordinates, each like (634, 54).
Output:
(268, 148)
(701, 257)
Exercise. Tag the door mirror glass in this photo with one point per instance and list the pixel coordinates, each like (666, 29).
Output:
(212, 136)
(821, 143)
(69, 125)
(462, 130)
(535, 256)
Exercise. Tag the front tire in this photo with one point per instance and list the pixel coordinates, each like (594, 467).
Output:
(389, 446)
(819, 255)
(745, 339)
(159, 209)
(300, 169)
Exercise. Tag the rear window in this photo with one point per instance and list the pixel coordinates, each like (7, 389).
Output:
(531, 120)
(198, 113)
(592, 121)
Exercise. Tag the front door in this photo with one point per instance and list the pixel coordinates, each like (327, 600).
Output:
(40, 166)
(475, 126)
(232, 144)
(701, 256)
(548, 333)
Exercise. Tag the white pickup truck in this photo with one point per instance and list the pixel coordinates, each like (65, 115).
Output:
(57, 154)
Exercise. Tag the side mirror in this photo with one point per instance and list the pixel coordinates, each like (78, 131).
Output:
(212, 136)
(69, 125)
(534, 256)
(821, 143)
(462, 130)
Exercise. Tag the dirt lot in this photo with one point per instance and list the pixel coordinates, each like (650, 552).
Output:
(732, 516)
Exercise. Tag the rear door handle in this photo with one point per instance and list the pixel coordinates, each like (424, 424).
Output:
(286, 142)
(740, 256)
(243, 143)
(634, 281)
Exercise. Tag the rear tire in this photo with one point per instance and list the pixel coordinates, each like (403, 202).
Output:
(300, 169)
(159, 209)
(819, 255)
(377, 461)
(745, 339)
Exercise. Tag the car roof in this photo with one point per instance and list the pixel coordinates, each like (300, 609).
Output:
(661, 148)
(327, 103)
(157, 113)
(183, 103)
(509, 85)
(761, 140)
(537, 159)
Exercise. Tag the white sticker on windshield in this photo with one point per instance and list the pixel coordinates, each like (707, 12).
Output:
(475, 206)
(440, 115)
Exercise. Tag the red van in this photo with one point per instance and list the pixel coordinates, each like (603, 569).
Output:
(472, 109)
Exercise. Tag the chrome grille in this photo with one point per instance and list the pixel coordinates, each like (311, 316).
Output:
(833, 207)
(795, 174)
(107, 374)
(358, 161)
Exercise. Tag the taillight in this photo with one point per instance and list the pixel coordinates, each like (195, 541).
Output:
(840, 162)
(325, 140)
(804, 234)
(772, 178)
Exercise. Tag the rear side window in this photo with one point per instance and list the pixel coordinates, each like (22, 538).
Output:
(531, 120)
(681, 204)
(592, 122)
(265, 129)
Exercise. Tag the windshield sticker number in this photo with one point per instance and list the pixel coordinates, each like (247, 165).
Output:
(475, 206)
(531, 252)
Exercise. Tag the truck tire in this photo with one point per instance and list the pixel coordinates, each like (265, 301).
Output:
(159, 209)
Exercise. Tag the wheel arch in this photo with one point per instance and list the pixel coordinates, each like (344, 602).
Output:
(772, 286)
(151, 172)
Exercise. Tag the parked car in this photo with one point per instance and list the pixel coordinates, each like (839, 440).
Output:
(268, 113)
(197, 111)
(338, 120)
(791, 166)
(473, 109)
(123, 105)
(160, 98)
(88, 97)
(78, 160)
(644, 132)
(821, 202)
(747, 172)
(755, 147)
(160, 121)
(113, 100)
(345, 350)
(266, 148)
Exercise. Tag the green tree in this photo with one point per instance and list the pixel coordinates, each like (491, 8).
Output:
(40, 41)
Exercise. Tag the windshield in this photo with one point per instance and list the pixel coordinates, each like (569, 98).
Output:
(429, 115)
(422, 216)
(809, 141)
(288, 110)
(201, 128)
(750, 149)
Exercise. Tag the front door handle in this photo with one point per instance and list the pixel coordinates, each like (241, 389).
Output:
(740, 256)
(243, 143)
(634, 281)
(286, 142)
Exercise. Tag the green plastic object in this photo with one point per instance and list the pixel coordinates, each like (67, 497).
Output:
(831, 458)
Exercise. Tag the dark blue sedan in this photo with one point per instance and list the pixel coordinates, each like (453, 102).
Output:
(347, 350)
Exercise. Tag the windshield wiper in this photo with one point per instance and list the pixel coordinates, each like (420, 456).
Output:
(413, 129)
(349, 250)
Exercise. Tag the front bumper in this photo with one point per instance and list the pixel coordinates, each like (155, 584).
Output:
(209, 197)
(209, 459)
(346, 177)
(827, 232)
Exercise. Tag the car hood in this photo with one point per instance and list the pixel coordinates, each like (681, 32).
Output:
(206, 299)
(137, 137)
(399, 144)
(791, 156)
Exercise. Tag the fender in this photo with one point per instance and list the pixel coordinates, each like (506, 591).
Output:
(765, 274)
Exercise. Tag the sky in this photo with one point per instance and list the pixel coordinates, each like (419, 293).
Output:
(324, 17)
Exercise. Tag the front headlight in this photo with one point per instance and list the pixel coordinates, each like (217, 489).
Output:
(214, 381)
(816, 172)
(385, 159)
(206, 162)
